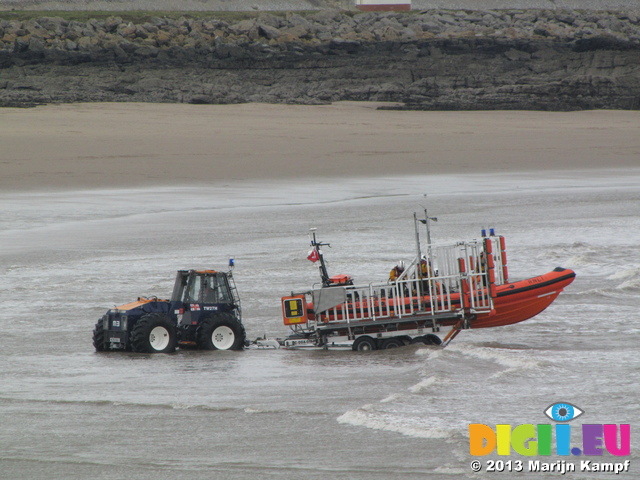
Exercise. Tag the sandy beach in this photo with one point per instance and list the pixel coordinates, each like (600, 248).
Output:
(86, 146)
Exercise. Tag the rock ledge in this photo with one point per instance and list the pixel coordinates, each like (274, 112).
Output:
(434, 59)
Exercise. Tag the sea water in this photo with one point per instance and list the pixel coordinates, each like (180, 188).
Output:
(67, 412)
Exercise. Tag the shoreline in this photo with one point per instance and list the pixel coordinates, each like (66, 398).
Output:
(98, 146)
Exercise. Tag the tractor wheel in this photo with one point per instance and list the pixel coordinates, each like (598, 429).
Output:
(98, 337)
(221, 331)
(393, 342)
(154, 333)
(364, 344)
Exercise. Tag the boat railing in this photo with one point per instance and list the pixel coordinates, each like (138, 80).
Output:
(454, 279)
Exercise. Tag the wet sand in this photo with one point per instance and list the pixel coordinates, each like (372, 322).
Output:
(86, 146)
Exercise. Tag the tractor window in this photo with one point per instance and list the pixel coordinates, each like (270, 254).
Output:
(208, 289)
(216, 290)
(192, 292)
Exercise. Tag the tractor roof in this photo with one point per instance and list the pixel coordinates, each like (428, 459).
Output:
(200, 272)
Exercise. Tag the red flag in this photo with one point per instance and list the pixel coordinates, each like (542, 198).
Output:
(313, 256)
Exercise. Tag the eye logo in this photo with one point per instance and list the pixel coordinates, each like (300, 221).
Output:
(563, 412)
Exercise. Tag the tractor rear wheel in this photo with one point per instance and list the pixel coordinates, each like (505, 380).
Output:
(154, 333)
(98, 337)
(220, 331)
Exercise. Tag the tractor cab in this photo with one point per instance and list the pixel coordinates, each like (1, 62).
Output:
(198, 292)
(203, 286)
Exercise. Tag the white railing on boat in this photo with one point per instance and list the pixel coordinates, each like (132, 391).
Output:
(458, 279)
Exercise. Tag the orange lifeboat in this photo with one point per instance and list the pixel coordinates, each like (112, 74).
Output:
(519, 301)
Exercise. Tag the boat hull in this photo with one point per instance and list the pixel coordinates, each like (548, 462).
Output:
(520, 301)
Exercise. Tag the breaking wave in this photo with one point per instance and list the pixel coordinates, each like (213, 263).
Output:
(512, 359)
(367, 416)
(161, 406)
(629, 277)
(424, 384)
(619, 284)
(381, 417)
(593, 259)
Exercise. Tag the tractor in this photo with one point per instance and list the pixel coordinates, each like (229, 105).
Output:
(203, 313)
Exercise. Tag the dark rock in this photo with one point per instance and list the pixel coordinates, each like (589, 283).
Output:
(270, 32)
(36, 45)
(542, 59)
(111, 24)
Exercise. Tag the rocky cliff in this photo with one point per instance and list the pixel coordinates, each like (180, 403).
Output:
(434, 59)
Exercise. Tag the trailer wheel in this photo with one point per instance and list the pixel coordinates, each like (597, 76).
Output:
(434, 339)
(421, 341)
(98, 337)
(394, 342)
(364, 344)
(154, 333)
(220, 331)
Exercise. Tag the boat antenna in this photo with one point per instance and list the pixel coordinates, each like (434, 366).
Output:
(426, 220)
(323, 267)
(415, 226)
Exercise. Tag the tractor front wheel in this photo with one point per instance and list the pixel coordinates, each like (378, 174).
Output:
(154, 333)
(220, 331)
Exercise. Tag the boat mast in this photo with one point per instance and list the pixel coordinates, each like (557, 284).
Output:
(323, 267)
(415, 225)
(425, 221)
(429, 253)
